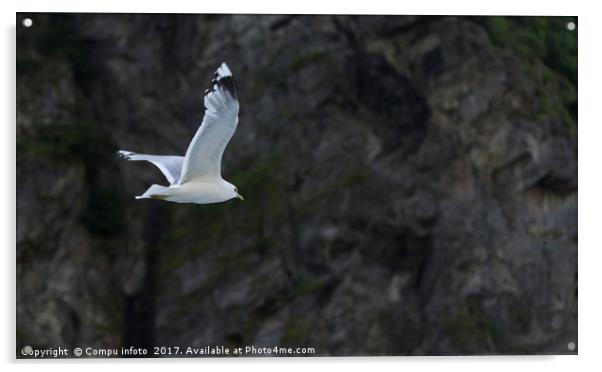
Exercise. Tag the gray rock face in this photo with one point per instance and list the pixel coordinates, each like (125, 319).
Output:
(402, 195)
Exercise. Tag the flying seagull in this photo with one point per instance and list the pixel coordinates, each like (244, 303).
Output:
(196, 177)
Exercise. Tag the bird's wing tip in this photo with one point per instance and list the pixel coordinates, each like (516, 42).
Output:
(125, 154)
(224, 80)
(224, 70)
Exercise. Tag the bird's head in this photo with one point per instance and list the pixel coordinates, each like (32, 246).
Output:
(235, 193)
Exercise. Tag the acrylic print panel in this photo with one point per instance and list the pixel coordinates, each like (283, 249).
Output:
(409, 185)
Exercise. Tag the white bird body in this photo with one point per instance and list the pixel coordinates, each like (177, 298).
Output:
(197, 192)
(196, 177)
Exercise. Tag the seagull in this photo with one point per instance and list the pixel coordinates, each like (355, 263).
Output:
(196, 177)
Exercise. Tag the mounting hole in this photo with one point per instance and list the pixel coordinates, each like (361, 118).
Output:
(571, 346)
(571, 26)
(27, 22)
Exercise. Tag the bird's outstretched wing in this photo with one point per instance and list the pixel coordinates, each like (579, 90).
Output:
(204, 154)
(170, 166)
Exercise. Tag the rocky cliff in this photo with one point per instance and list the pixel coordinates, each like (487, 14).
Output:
(410, 184)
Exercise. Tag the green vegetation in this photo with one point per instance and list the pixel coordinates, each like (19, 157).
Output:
(257, 174)
(262, 245)
(310, 57)
(543, 40)
(79, 142)
(184, 302)
(174, 238)
(52, 38)
(538, 39)
(355, 176)
(519, 312)
(263, 192)
(309, 285)
(104, 215)
(468, 330)
(295, 332)
(46, 53)
(74, 141)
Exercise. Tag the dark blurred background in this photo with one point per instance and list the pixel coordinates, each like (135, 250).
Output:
(410, 184)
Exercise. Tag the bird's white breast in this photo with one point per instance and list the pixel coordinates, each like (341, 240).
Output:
(200, 192)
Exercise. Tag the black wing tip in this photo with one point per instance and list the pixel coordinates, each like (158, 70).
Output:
(222, 78)
(227, 83)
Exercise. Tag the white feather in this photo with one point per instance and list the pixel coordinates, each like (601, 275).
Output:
(204, 155)
(196, 177)
(169, 165)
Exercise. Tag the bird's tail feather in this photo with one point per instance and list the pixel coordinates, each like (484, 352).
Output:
(155, 192)
(130, 155)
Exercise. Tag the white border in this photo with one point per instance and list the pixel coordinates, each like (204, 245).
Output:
(590, 138)
(428, 7)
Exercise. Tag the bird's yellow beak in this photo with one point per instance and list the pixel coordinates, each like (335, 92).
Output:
(238, 196)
